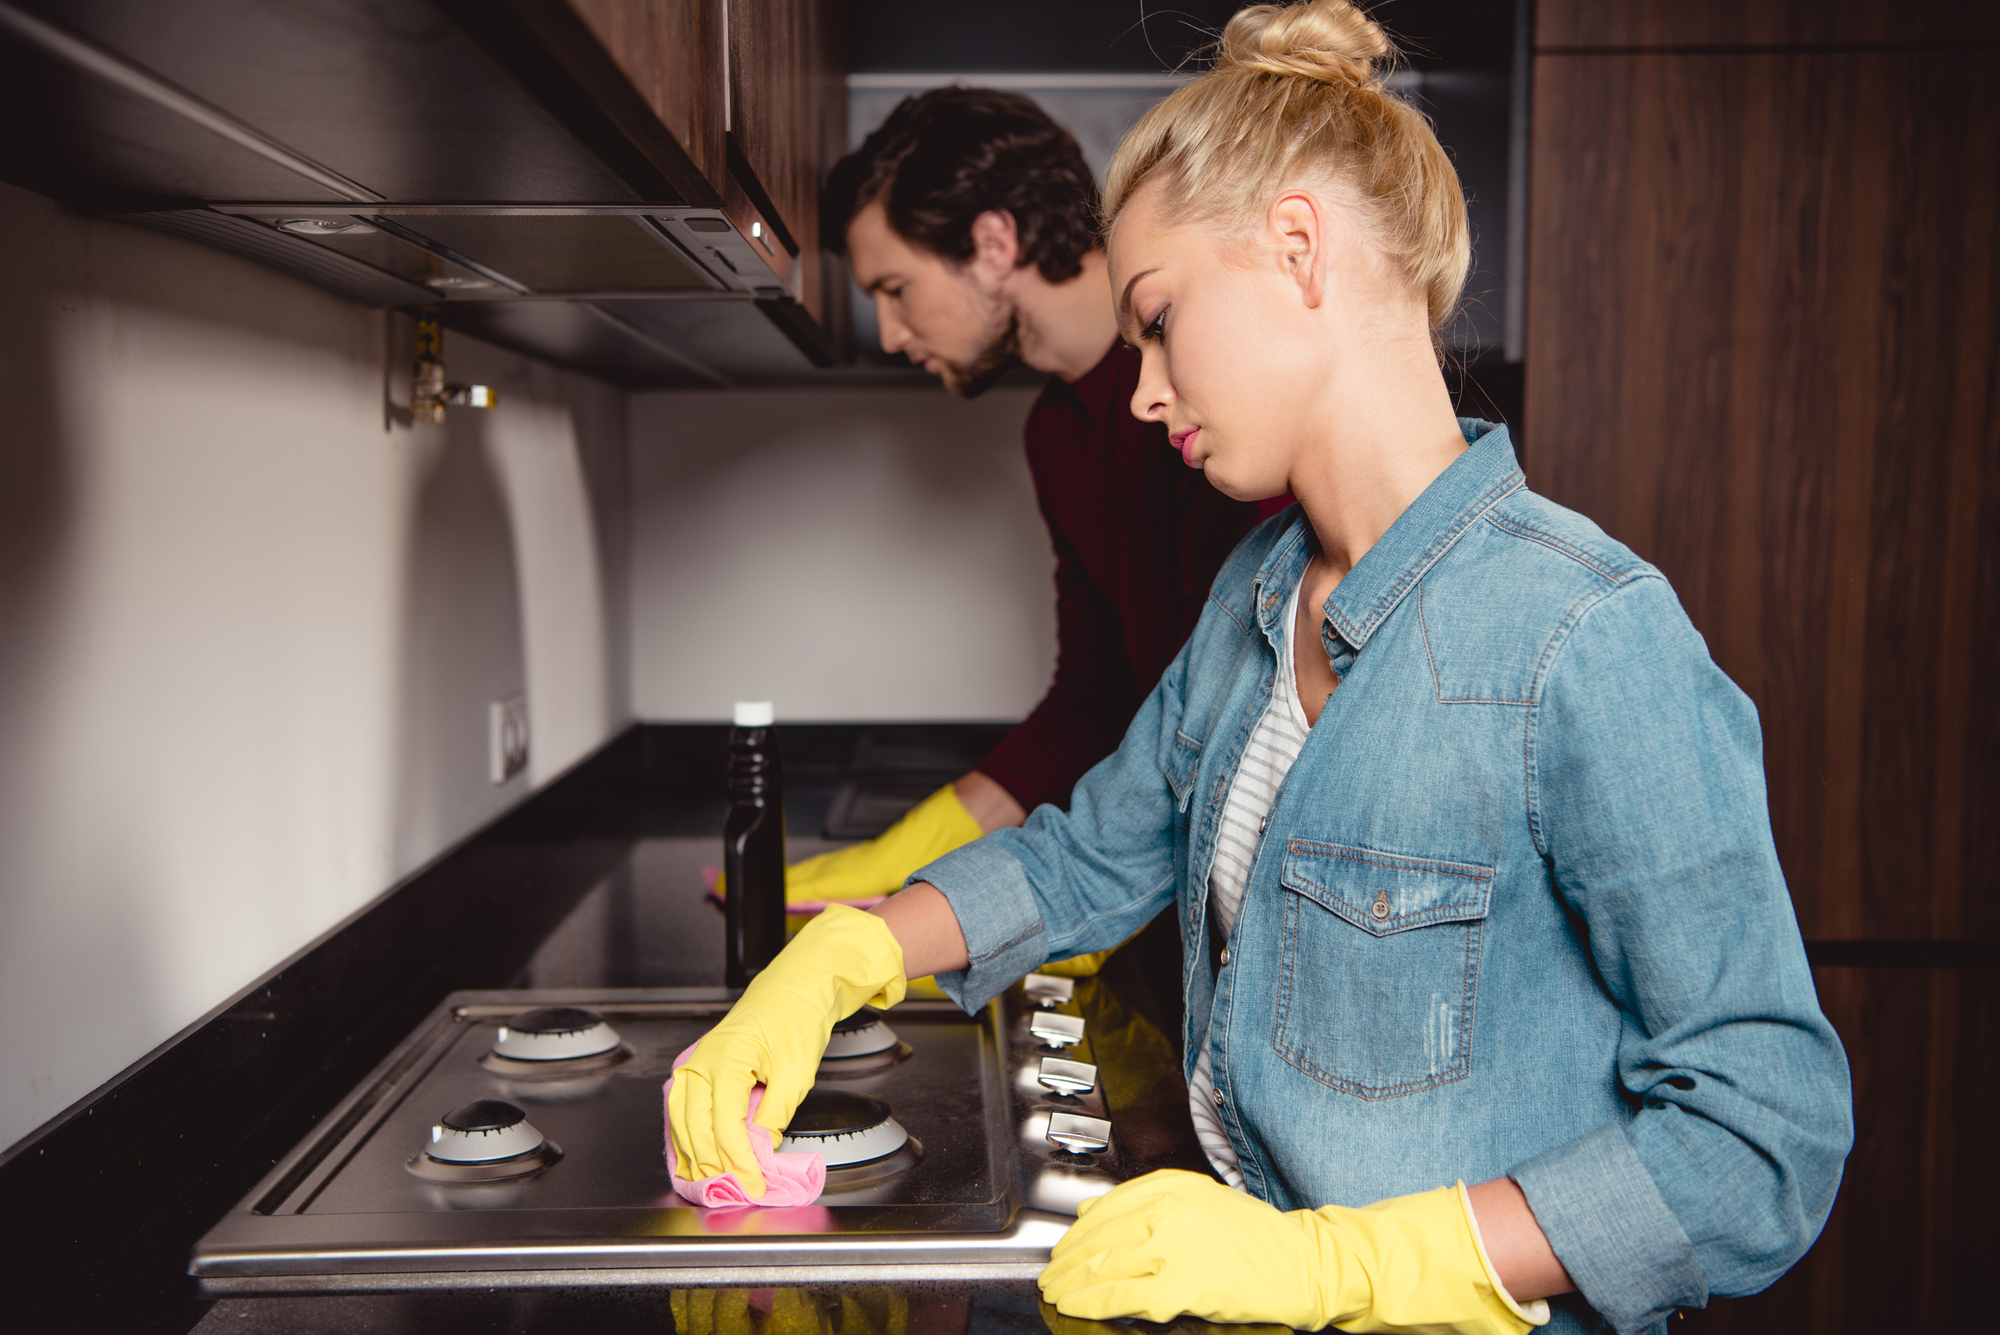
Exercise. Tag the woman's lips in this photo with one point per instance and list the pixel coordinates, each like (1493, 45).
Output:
(1184, 442)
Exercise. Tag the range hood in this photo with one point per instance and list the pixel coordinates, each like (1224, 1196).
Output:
(489, 158)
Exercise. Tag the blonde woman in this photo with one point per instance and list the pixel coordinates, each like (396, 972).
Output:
(1466, 832)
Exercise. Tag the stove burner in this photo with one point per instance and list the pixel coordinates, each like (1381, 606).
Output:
(554, 1042)
(483, 1141)
(860, 1044)
(856, 1135)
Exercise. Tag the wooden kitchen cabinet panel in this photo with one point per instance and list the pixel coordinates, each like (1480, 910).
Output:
(753, 89)
(1907, 1246)
(787, 125)
(1685, 23)
(1763, 348)
(672, 51)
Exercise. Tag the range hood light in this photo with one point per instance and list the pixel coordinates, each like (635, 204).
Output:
(757, 230)
(322, 226)
(458, 282)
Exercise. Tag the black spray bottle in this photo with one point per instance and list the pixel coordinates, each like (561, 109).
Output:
(753, 847)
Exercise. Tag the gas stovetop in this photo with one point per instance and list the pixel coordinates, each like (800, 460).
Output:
(517, 1138)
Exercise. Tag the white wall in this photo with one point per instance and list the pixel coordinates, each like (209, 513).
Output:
(847, 554)
(250, 624)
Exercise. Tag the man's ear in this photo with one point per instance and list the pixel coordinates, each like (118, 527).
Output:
(996, 245)
(1298, 228)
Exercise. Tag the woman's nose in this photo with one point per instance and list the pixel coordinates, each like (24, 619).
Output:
(1155, 393)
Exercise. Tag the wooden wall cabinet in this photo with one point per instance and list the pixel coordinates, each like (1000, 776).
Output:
(1763, 331)
(753, 91)
(1763, 349)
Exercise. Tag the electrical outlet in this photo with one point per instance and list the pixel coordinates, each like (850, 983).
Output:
(507, 737)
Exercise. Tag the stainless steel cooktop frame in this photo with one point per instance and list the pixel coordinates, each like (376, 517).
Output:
(273, 1242)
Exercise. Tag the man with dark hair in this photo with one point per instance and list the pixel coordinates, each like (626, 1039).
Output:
(971, 219)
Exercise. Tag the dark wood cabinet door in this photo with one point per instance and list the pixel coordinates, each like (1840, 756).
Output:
(754, 91)
(1763, 340)
(1763, 348)
(787, 123)
(672, 52)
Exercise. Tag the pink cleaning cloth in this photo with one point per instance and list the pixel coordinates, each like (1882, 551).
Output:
(802, 908)
(791, 1178)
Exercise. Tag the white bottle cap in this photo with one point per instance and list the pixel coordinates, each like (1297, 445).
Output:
(754, 714)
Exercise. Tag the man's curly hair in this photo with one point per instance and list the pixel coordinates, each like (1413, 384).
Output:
(944, 157)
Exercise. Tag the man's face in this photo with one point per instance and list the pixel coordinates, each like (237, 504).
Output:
(953, 320)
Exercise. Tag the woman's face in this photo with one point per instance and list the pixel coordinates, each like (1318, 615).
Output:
(1234, 362)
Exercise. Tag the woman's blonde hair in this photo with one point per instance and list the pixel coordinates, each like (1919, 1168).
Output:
(1298, 96)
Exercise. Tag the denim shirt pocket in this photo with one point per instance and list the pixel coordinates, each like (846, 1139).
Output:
(1179, 766)
(1381, 960)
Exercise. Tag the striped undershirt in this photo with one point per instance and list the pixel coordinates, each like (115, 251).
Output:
(1274, 745)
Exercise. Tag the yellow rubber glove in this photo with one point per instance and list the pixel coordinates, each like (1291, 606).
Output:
(843, 960)
(927, 832)
(1171, 1243)
(880, 865)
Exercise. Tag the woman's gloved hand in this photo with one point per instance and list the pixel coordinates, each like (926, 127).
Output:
(878, 867)
(1172, 1242)
(842, 960)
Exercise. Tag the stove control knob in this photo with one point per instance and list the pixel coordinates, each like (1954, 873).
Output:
(1057, 1031)
(1079, 1134)
(1047, 991)
(483, 1132)
(1062, 1076)
(555, 1033)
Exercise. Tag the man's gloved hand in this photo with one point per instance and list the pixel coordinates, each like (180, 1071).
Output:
(774, 1035)
(879, 866)
(1171, 1243)
(1083, 966)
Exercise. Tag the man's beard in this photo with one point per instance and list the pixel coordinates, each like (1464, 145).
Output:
(984, 371)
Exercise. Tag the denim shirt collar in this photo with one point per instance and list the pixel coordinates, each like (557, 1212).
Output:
(1363, 600)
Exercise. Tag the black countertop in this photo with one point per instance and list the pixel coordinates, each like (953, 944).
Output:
(830, 1309)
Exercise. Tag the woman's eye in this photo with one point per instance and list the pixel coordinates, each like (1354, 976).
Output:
(1158, 328)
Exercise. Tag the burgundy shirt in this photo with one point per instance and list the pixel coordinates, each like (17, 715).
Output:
(1138, 536)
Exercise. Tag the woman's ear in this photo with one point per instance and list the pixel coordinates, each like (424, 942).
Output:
(996, 245)
(1298, 227)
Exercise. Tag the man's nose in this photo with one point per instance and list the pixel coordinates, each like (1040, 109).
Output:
(894, 333)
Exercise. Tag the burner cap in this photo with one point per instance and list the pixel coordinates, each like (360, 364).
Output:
(484, 1131)
(858, 1021)
(483, 1115)
(555, 1020)
(833, 1112)
(861, 1034)
(485, 1141)
(844, 1128)
(554, 1034)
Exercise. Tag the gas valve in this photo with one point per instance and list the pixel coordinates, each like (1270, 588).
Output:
(429, 393)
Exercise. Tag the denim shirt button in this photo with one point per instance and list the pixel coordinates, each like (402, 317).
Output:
(1264, 824)
(1225, 957)
(1217, 1095)
(1380, 908)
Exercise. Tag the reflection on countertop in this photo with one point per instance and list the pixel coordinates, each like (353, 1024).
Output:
(824, 1309)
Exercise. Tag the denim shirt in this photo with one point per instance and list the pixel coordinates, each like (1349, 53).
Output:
(1516, 910)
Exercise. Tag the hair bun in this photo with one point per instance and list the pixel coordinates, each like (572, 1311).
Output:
(1329, 40)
